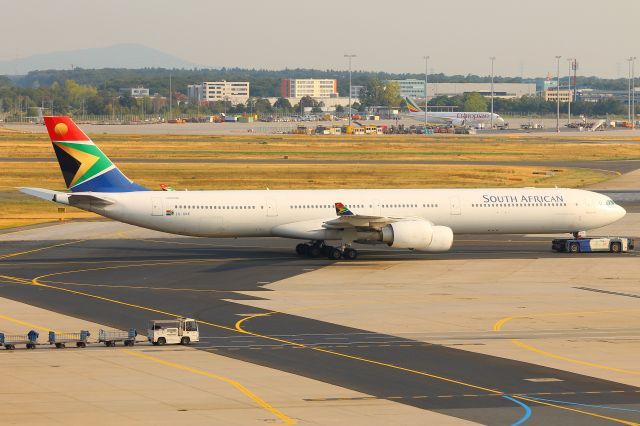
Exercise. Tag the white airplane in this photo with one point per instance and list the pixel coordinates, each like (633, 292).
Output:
(455, 119)
(420, 219)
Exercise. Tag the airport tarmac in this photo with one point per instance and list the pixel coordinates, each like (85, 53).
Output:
(418, 330)
(150, 385)
(500, 330)
(549, 130)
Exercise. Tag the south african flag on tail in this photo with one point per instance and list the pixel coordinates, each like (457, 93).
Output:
(342, 210)
(84, 166)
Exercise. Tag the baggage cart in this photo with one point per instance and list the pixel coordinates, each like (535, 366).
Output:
(109, 338)
(9, 341)
(61, 339)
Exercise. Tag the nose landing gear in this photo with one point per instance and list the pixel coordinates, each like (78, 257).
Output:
(316, 249)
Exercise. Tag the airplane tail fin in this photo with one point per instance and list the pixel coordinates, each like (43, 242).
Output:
(84, 166)
(411, 105)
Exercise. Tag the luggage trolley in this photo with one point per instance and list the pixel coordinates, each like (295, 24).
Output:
(61, 339)
(109, 338)
(9, 341)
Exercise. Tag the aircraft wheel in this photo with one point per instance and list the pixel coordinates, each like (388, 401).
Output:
(350, 254)
(314, 251)
(335, 254)
(301, 249)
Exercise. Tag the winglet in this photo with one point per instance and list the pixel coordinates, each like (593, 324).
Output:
(342, 210)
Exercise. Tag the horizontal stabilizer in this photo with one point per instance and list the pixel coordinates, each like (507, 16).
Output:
(45, 194)
(67, 199)
(75, 199)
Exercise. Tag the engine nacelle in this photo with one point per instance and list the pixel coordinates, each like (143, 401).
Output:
(418, 235)
(442, 240)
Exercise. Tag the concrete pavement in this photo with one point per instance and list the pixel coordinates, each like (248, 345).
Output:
(167, 385)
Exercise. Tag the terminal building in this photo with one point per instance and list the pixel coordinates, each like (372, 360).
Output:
(500, 90)
(314, 87)
(236, 92)
(594, 95)
(414, 88)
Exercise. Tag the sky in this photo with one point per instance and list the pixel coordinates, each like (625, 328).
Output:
(458, 35)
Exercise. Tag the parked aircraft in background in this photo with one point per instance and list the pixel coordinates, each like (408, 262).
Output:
(455, 119)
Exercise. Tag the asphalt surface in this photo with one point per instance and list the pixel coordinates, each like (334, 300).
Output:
(124, 283)
(619, 166)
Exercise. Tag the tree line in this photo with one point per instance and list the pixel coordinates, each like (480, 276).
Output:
(84, 96)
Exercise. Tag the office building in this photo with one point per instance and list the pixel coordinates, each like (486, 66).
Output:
(411, 88)
(314, 87)
(552, 95)
(236, 92)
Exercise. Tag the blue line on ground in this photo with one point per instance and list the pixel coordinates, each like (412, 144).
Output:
(527, 410)
(583, 405)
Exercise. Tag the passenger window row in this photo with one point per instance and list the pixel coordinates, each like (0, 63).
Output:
(359, 206)
(200, 207)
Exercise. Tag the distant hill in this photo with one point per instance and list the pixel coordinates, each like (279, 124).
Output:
(116, 56)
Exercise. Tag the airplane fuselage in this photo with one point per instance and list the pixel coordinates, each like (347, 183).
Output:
(301, 213)
(459, 118)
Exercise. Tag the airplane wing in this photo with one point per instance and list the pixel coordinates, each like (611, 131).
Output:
(347, 223)
(347, 219)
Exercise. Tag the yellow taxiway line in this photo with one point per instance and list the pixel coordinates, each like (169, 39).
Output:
(499, 324)
(238, 328)
(239, 386)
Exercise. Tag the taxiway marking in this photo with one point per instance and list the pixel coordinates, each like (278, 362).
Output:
(500, 323)
(239, 386)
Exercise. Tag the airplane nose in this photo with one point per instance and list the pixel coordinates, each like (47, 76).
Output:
(620, 212)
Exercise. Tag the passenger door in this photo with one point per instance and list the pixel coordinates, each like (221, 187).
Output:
(455, 206)
(156, 206)
(272, 208)
(376, 208)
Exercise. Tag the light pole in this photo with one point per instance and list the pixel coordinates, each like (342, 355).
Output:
(570, 60)
(350, 56)
(558, 95)
(629, 91)
(492, 59)
(633, 92)
(426, 95)
(170, 98)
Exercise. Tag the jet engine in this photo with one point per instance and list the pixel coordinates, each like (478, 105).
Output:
(417, 235)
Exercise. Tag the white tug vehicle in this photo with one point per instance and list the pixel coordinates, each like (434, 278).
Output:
(181, 331)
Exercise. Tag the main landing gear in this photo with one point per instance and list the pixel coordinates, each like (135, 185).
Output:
(320, 249)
